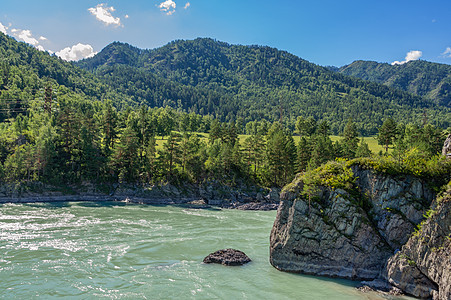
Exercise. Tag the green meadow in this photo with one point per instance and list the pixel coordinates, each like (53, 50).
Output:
(370, 140)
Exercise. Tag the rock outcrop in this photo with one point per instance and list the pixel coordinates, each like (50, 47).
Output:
(336, 236)
(446, 150)
(368, 233)
(227, 257)
(423, 266)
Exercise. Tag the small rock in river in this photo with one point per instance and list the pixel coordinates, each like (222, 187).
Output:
(227, 257)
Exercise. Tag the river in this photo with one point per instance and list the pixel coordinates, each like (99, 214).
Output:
(88, 250)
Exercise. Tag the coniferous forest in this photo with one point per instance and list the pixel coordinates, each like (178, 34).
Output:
(198, 110)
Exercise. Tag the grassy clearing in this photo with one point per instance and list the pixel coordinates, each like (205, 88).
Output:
(371, 141)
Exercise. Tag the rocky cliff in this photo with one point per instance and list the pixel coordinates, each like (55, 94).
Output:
(423, 266)
(352, 233)
(446, 150)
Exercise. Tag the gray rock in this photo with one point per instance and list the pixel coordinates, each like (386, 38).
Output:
(336, 237)
(404, 274)
(227, 257)
(380, 286)
(397, 203)
(446, 150)
(423, 266)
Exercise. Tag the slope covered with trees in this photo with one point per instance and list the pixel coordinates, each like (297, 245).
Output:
(254, 82)
(429, 80)
(61, 124)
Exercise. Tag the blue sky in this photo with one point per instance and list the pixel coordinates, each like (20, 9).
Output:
(324, 32)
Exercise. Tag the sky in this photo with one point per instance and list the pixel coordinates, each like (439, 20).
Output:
(325, 32)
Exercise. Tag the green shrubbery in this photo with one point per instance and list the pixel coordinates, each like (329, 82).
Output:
(436, 169)
(338, 174)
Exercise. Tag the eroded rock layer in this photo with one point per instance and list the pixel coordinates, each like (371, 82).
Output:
(423, 267)
(336, 236)
(369, 232)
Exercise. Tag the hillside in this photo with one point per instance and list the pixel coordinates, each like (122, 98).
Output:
(207, 77)
(429, 80)
(26, 71)
(254, 82)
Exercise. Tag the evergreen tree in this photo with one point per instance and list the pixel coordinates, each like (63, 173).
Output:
(323, 128)
(306, 127)
(125, 158)
(108, 125)
(170, 155)
(387, 133)
(350, 140)
(280, 155)
(215, 131)
(304, 154)
(363, 150)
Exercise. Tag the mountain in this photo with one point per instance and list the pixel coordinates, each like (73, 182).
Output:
(208, 77)
(255, 82)
(429, 80)
(25, 71)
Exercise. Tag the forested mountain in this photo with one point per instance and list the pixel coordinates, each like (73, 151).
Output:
(422, 78)
(254, 82)
(26, 71)
(61, 124)
(207, 77)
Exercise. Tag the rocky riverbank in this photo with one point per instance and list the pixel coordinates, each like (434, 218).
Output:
(367, 233)
(199, 196)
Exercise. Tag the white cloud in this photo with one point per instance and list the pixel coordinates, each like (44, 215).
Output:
(76, 52)
(187, 5)
(411, 55)
(168, 6)
(103, 14)
(3, 28)
(447, 52)
(26, 36)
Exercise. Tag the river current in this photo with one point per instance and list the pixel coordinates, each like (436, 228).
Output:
(87, 250)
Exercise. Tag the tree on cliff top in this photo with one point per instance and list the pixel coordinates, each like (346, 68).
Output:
(387, 133)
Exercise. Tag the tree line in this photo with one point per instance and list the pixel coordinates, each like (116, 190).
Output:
(77, 140)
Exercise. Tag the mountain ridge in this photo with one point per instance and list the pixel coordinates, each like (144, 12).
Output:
(427, 79)
(207, 77)
(259, 82)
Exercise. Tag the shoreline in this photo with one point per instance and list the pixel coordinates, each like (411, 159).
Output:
(190, 202)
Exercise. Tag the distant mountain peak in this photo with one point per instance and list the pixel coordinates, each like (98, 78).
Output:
(419, 77)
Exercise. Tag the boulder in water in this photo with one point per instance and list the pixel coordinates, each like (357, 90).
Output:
(227, 257)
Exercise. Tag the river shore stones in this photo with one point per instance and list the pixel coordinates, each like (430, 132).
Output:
(227, 257)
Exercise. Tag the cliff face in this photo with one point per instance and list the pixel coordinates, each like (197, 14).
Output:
(334, 238)
(423, 267)
(353, 234)
(446, 150)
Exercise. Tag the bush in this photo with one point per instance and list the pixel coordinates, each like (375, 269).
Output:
(436, 169)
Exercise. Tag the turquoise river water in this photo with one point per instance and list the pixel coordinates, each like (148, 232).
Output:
(87, 250)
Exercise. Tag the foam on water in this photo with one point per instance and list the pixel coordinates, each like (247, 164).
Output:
(94, 250)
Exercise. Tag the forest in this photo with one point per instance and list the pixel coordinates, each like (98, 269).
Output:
(255, 83)
(426, 79)
(141, 117)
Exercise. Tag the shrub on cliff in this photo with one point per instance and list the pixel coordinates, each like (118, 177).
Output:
(334, 174)
(436, 169)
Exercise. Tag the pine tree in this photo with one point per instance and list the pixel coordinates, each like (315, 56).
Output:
(350, 140)
(387, 133)
(363, 150)
(170, 155)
